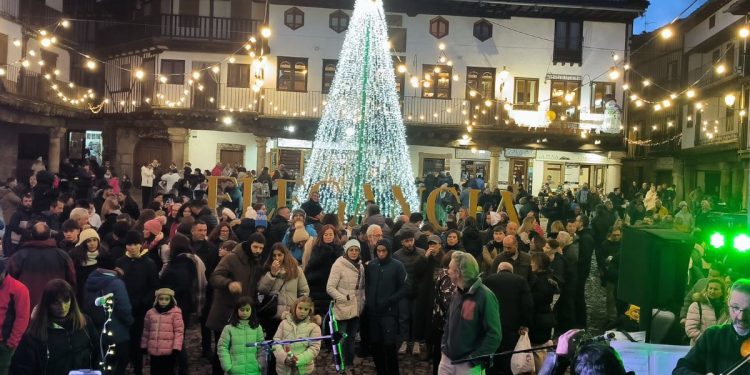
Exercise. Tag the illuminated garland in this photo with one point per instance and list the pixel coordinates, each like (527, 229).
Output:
(649, 142)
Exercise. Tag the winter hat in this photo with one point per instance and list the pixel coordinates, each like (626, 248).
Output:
(352, 243)
(228, 213)
(87, 234)
(163, 291)
(261, 220)
(153, 226)
(250, 213)
(133, 237)
(299, 212)
(434, 239)
(300, 233)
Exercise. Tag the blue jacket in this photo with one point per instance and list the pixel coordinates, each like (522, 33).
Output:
(102, 282)
(293, 248)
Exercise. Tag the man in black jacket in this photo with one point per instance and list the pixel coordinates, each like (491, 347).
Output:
(209, 254)
(516, 308)
(279, 226)
(20, 223)
(385, 286)
(410, 312)
(520, 261)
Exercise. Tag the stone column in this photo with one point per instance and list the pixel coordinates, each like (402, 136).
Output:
(726, 181)
(614, 171)
(745, 174)
(178, 138)
(261, 153)
(738, 178)
(55, 136)
(494, 167)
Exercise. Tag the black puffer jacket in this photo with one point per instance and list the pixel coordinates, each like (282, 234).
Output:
(141, 280)
(317, 271)
(385, 286)
(180, 275)
(65, 350)
(543, 288)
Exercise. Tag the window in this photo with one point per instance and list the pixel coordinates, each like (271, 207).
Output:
(50, 61)
(173, 71)
(482, 30)
(294, 18)
(238, 75)
(438, 27)
(3, 49)
(439, 86)
(599, 93)
(568, 42)
(481, 80)
(397, 36)
(394, 20)
(729, 115)
(400, 77)
(338, 21)
(125, 77)
(189, 7)
(672, 71)
(565, 97)
(526, 93)
(712, 21)
(292, 74)
(329, 71)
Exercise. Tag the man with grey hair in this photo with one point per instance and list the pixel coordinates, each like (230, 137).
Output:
(81, 216)
(374, 234)
(718, 349)
(472, 327)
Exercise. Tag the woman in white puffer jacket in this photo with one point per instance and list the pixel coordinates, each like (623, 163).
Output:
(346, 285)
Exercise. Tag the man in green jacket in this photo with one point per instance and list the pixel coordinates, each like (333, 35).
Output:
(718, 348)
(472, 327)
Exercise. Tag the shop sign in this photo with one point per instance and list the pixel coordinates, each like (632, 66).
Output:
(519, 153)
(571, 157)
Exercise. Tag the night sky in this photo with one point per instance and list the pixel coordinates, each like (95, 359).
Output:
(661, 12)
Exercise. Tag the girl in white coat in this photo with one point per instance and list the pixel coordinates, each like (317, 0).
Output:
(297, 358)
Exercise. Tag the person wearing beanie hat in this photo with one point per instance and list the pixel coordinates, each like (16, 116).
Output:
(102, 281)
(261, 221)
(288, 240)
(299, 240)
(156, 242)
(85, 256)
(141, 278)
(163, 332)
(347, 288)
(385, 286)
(352, 243)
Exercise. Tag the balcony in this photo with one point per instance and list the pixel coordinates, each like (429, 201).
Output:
(9, 8)
(727, 137)
(26, 84)
(184, 27)
(708, 76)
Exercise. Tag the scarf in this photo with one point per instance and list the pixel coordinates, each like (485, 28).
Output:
(91, 258)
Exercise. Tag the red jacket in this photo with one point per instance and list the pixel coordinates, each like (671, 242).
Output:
(14, 311)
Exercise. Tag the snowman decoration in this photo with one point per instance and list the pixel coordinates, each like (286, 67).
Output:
(612, 115)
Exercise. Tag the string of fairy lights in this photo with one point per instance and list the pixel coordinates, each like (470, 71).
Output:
(253, 48)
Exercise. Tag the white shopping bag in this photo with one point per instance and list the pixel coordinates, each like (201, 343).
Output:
(521, 363)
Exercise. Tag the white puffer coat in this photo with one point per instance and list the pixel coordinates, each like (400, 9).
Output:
(346, 285)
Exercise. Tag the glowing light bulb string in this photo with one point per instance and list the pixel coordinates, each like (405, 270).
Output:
(362, 126)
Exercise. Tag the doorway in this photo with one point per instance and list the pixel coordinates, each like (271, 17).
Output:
(146, 150)
(206, 94)
(232, 157)
(519, 172)
(30, 147)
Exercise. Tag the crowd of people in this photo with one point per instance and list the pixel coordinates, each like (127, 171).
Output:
(92, 279)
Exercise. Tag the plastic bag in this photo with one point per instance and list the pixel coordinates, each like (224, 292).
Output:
(521, 363)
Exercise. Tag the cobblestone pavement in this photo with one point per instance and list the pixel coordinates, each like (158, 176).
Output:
(409, 364)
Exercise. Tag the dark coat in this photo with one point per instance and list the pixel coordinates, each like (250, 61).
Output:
(141, 279)
(276, 230)
(473, 241)
(415, 265)
(14, 225)
(38, 262)
(241, 266)
(44, 193)
(317, 271)
(385, 285)
(102, 282)
(65, 350)
(543, 288)
(514, 295)
(717, 350)
(521, 265)
(180, 275)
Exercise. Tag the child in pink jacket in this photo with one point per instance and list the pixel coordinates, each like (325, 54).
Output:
(163, 332)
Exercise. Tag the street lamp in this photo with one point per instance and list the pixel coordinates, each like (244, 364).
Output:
(729, 100)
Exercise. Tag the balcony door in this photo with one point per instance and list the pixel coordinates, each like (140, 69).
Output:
(147, 85)
(205, 90)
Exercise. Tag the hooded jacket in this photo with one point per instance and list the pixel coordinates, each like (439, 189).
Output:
(304, 351)
(163, 332)
(346, 285)
(241, 266)
(385, 286)
(102, 282)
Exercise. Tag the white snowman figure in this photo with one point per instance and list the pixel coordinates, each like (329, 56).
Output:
(612, 115)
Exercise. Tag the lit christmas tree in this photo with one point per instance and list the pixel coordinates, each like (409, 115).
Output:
(361, 137)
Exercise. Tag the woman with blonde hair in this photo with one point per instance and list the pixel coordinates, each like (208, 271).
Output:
(709, 308)
(556, 227)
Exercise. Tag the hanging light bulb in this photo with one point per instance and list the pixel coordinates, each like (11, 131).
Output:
(65, 23)
(744, 31)
(90, 64)
(401, 68)
(196, 75)
(721, 69)
(646, 83)
(455, 77)
(488, 103)
(227, 120)
(265, 32)
(215, 69)
(666, 33)
(139, 74)
(626, 87)
(441, 46)
(472, 93)
(729, 100)
(614, 73)
(162, 79)
(690, 93)
(414, 81)
(46, 42)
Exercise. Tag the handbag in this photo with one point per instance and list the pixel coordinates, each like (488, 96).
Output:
(268, 304)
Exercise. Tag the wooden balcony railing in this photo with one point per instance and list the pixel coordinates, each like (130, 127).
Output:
(727, 137)
(32, 85)
(175, 26)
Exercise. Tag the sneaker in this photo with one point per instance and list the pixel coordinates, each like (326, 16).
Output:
(402, 349)
(416, 350)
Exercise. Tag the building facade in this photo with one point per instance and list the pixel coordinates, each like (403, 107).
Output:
(516, 93)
